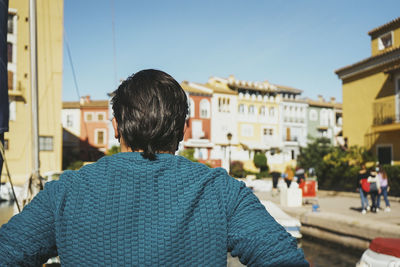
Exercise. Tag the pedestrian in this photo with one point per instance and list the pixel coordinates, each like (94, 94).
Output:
(384, 184)
(147, 206)
(374, 189)
(300, 174)
(288, 176)
(275, 178)
(363, 188)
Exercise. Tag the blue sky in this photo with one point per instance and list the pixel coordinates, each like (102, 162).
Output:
(292, 42)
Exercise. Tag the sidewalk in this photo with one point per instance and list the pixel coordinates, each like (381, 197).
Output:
(340, 219)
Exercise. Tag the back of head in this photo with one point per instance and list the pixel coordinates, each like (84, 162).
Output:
(150, 108)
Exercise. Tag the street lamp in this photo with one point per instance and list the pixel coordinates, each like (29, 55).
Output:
(229, 136)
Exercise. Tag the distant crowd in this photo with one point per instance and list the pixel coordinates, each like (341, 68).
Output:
(375, 183)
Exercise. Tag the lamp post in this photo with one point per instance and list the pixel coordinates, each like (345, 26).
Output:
(229, 137)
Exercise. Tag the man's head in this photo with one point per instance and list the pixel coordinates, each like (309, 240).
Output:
(150, 109)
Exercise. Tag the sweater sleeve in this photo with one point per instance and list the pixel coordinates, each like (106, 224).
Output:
(28, 239)
(254, 235)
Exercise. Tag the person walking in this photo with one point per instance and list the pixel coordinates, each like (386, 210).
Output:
(146, 206)
(363, 188)
(374, 189)
(288, 176)
(384, 185)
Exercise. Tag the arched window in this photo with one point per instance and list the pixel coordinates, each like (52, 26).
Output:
(204, 108)
(262, 111)
(272, 111)
(191, 107)
(241, 109)
(251, 110)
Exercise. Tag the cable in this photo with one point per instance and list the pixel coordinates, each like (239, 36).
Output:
(8, 173)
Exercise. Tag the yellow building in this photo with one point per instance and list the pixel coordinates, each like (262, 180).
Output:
(18, 140)
(371, 96)
(257, 117)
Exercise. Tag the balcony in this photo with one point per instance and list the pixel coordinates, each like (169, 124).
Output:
(385, 117)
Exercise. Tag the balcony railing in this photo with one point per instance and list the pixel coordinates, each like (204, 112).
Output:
(385, 113)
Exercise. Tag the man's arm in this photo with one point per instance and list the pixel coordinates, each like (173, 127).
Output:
(28, 239)
(254, 235)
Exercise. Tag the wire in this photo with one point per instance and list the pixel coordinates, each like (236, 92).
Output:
(8, 173)
(114, 46)
(72, 65)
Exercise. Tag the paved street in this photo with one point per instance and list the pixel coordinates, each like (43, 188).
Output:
(346, 204)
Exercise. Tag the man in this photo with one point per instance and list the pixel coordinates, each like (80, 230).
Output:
(145, 206)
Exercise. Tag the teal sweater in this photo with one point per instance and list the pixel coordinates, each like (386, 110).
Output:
(125, 210)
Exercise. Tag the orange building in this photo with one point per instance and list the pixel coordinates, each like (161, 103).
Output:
(198, 129)
(85, 133)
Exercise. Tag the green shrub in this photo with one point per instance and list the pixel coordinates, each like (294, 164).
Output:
(75, 165)
(393, 173)
(188, 153)
(336, 169)
(114, 150)
(260, 161)
(237, 169)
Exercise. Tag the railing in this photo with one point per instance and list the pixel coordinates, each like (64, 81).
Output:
(385, 113)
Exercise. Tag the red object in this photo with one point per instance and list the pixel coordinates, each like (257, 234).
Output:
(309, 188)
(387, 246)
(365, 185)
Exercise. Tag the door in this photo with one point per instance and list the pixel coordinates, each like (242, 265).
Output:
(385, 155)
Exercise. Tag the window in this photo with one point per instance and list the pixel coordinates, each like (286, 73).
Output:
(46, 143)
(9, 52)
(204, 108)
(13, 110)
(385, 41)
(268, 131)
(88, 116)
(10, 23)
(262, 111)
(241, 109)
(324, 117)
(272, 112)
(191, 108)
(247, 130)
(70, 122)
(251, 110)
(100, 136)
(6, 144)
(313, 115)
(10, 76)
(101, 116)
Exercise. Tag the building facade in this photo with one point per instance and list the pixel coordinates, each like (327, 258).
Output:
(85, 129)
(198, 126)
(325, 120)
(18, 141)
(371, 96)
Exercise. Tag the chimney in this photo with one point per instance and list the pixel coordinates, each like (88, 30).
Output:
(87, 98)
(321, 98)
(82, 100)
(333, 100)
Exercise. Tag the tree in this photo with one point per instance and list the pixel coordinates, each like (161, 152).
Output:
(260, 161)
(188, 153)
(113, 150)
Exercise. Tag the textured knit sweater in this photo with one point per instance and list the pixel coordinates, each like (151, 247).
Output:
(125, 210)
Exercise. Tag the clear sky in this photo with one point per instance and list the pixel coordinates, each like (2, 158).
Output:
(288, 42)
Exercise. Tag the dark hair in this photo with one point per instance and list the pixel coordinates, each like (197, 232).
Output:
(150, 108)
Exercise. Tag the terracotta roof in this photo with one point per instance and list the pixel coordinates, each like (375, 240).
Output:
(385, 27)
(371, 60)
(317, 103)
(288, 89)
(221, 89)
(195, 88)
(91, 104)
